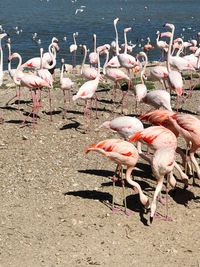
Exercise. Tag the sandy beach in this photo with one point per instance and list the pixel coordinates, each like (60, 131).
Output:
(55, 200)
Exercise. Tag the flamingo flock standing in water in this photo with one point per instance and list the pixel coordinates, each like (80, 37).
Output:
(161, 139)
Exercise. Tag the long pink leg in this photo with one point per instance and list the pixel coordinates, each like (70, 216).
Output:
(65, 104)
(50, 106)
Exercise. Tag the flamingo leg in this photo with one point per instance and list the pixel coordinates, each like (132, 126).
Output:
(50, 105)
(65, 105)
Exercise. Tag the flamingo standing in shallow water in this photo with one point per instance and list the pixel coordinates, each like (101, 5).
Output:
(122, 153)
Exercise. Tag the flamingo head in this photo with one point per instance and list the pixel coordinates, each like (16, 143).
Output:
(55, 44)
(166, 34)
(115, 21)
(2, 35)
(54, 40)
(62, 61)
(169, 25)
(127, 29)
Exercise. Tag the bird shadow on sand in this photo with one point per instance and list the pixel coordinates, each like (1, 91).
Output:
(72, 125)
(101, 173)
(186, 111)
(182, 196)
(10, 108)
(133, 202)
(103, 90)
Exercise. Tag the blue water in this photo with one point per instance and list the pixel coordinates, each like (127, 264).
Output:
(57, 18)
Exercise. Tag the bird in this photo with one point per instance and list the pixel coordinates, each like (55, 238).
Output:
(122, 153)
(90, 73)
(2, 35)
(156, 98)
(162, 45)
(160, 73)
(148, 46)
(73, 48)
(66, 84)
(30, 81)
(174, 77)
(46, 76)
(189, 128)
(116, 75)
(93, 58)
(125, 126)
(88, 91)
(162, 164)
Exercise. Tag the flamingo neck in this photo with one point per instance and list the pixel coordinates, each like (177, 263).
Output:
(98, 72)
(180, 49)
(125, 43)
(116, 39)
(106, 62)
(62, 72)
(74, 37)
(9, 54)
(170, 49)
(144, 68)
(84, 58)
(95, 43)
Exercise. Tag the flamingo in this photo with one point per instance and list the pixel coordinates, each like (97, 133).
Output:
(87, 91)
(93, 59)
(189, 128)
(122, 153)
(174, 77)
(66, 84)
(155, 98)
(73, 49)
(46, 76)
(90, 73)
(30, 81)
(148, 46)
(12, 73)
(159, 137)
(160, 73)
(116, 75)
(161, 44)
(162, 163)
(2, 35)
(36, 61)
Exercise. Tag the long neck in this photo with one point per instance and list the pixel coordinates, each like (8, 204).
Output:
(170, 49)
(104, 66)
(158, 37)
(9, 54)
(74, 37)
(95, 43)
(52, 53)
(84, 57)
(18, 69)
(62, 72)
(41, 55)
(1, 57)
(180, 48)
(143, 198)
(125, 43)
(144, 68)
(98, 73)
(116, 39)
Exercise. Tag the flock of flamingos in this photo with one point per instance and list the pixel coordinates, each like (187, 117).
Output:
(168, 125)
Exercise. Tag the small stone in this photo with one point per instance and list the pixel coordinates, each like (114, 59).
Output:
(24, 137)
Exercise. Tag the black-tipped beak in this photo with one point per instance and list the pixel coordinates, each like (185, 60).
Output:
(151, 220)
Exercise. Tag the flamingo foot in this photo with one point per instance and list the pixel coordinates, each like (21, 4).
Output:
(128, 212)
(115, 210)
(159, 216)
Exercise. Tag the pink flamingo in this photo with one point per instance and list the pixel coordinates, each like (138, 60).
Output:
(116, 75)
(2, 35)
(189, 128)
(160, 73)
(161, 44)
(46, 76)
(155, 98)
(30, 81)
(90, 73)
(159, 137)
(88, 91)
(66, 84)
(174, 77)
(93, 58)
(73, 49)
(122, 153)
(148, 46)
(162, 164)
(35, 62)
